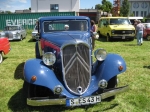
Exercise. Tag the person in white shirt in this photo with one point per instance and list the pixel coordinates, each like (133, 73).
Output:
(139, 32)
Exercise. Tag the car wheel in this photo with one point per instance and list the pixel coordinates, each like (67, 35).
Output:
(37, 52)
(148, 37)
(131, 39)
(25, 91)
(112, 83)
(99, 34)
(108, 38)
(1, 57)
(21, 38)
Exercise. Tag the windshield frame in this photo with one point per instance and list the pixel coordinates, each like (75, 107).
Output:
(64, 22)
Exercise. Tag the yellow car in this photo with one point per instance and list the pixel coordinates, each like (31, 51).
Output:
(116, 28)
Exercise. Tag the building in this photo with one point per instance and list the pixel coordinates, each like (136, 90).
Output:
(55, 5)
(139, 7)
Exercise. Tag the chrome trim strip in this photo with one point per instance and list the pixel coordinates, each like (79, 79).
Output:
(62, 101)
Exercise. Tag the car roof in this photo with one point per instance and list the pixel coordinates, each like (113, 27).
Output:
(112, 17)
(63, 17)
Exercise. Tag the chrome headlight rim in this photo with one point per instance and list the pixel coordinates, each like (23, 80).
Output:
(49, 58)
(100, 54)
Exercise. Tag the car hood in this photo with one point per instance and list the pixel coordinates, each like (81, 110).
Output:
(2, 33)
(122, 27)
(63, 38)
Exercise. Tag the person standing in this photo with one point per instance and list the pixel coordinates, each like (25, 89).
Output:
(135, 22)
(139, 29)
(93, 29)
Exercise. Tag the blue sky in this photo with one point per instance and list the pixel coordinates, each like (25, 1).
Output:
(90, 3)
(12, 5)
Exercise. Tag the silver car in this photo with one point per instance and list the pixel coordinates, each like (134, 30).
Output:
(34, 33)
(14, 32)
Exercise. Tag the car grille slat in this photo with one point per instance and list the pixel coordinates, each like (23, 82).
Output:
(124, 31)
(76, 64)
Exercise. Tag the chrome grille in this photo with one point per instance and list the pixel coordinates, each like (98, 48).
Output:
(76, 67)
(124, 31)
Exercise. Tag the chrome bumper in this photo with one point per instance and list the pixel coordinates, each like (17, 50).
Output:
(62, 101)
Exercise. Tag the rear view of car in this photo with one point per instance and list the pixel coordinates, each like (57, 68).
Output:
(4, 48)
(34, 33)
(146, 33)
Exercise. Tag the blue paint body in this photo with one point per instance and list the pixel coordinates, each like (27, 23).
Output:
(47, 78)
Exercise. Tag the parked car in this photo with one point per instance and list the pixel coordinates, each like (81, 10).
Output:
(14, 32)
(34, 33)
(146, 33)
(116, 28)
(63, 72)
(4, 48)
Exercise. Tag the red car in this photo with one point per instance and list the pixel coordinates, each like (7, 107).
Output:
(4, 47)
(146, 33)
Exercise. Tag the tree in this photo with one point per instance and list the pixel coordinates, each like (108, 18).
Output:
(29, 8)
(125, 8)
(8, 12)
(106, 6)
(98, 6)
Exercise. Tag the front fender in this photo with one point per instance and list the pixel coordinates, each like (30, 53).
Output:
(110, 67)
(45, 76)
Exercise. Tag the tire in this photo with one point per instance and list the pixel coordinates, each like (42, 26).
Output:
(148, 37)
(1, 57)
(100, 36)
(108, 38)
(131, 39)
(37, 52)
(112, 83)
(25, 91)
(21, 38)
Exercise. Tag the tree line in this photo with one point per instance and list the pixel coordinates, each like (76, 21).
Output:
(107, 6)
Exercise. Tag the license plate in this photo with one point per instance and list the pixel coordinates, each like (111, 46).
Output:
(123, 37)
(83, 101)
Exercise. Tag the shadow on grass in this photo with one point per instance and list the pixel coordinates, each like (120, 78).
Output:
(148, 67)
(19, 71)
(111, 107)
(104, 39)
(17, 103)
(32, 40)
(130, 44)
(4, 57)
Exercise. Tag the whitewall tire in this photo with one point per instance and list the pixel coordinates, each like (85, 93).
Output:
(1, 57)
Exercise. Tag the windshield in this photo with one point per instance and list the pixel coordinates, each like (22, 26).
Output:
(119, 21)
(11, 28)
(65, 25)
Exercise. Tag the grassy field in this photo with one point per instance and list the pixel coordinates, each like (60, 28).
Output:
(137, 76)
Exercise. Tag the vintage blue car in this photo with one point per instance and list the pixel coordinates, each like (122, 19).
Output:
(63, 72)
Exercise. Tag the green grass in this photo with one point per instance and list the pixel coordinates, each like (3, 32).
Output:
(137, 76)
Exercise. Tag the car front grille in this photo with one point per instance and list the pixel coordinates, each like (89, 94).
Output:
(124, 32)
(76, 67)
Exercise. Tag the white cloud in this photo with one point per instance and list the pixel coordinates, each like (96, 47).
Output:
(23, 1)
(8, 6)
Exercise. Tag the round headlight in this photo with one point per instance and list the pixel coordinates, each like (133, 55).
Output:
(49, 58)
(100, 54)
